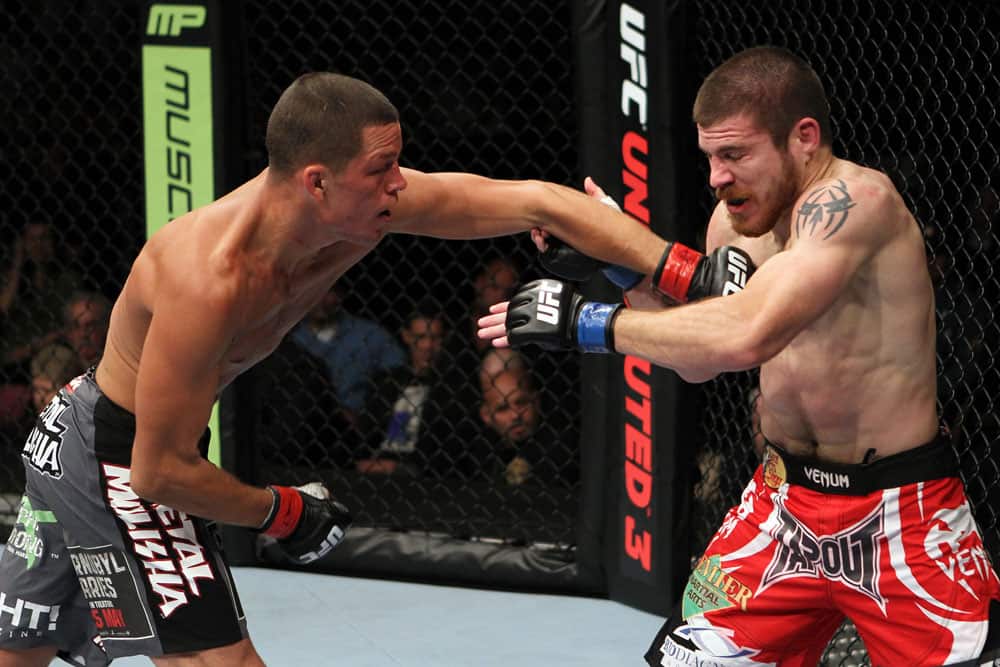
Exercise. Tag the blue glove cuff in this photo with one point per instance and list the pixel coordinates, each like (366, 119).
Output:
(624, 278)
(594, 326)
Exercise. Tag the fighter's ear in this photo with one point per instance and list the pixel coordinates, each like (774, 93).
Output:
(314, 179)
(805, 135)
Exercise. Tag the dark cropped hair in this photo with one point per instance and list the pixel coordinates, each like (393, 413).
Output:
(772, 85)
(426, 308)
(319, 119)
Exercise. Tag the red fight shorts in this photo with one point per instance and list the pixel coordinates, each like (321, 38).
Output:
(892, 545)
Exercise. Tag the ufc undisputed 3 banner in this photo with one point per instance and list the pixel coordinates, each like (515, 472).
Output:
(625, 62)
(178, 123)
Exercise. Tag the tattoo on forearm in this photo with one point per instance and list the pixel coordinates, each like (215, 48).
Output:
(825, 210)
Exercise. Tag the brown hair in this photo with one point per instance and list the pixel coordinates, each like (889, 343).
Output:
(772, 85)
(319, 119)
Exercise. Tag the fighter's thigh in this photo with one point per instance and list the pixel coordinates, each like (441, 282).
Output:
(699, 640)
(730, 612)
(935, 581)
(41, 604)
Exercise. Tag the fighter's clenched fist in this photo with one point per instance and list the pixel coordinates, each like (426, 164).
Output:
(553, 315)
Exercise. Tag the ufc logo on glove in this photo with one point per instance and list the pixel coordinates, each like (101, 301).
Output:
(548, 301)
(737, 265)
(332, 540)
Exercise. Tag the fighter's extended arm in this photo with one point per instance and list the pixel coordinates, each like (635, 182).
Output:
(465, 206)
(787, 294)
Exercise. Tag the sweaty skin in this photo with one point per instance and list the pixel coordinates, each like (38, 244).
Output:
(215, 291)
(839, 316)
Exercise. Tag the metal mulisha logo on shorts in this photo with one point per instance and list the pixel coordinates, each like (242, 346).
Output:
(41, 450)
(850, 556)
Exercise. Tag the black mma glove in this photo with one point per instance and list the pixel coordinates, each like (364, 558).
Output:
(551, 314)
(565, 261)
(306, 521)
(686, 275)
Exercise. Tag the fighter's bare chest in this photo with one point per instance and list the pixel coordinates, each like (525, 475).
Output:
(266, 325)
(275, 304)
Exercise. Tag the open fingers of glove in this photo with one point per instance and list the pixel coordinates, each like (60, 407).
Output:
(493, 327)
(538, 237)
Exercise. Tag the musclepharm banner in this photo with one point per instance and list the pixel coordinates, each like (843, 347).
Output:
(178, 121)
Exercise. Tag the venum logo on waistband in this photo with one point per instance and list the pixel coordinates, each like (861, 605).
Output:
(41, 449)
(829, 480)
(850, 556)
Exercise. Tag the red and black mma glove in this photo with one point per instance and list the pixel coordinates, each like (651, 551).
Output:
(682, 275)
(687, 275)
(553, 315)
(306, 521)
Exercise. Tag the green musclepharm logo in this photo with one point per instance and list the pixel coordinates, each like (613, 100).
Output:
(29, 541)
(170, 20)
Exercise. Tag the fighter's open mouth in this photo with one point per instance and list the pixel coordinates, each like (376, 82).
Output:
(739, 201)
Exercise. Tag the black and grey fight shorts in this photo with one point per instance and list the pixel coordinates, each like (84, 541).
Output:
(95, 570)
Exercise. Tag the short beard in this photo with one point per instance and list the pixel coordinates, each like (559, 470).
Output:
(784, 198)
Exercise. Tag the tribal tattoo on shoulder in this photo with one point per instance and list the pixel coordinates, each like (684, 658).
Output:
(824, 211)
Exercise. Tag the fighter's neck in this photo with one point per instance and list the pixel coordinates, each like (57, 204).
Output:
(269, 228)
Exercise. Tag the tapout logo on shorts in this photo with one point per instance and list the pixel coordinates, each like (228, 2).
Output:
(850, 556)
(41, 449)
(164, 540)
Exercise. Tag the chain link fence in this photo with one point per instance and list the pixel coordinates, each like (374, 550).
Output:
(413, 432)
(913, 90)
(483, 87)
(71, 203)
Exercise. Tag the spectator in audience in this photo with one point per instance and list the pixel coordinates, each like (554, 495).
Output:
(86, 317)
(353, 348)
(496, 280)
(404, 421)
(34, 289)
(498, 360)
(298, 423)
(51, 368)
(516, 446)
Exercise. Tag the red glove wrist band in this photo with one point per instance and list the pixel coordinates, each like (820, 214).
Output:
(286, 512)
(675, 271)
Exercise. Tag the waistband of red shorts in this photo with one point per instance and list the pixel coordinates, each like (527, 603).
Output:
(934, 460)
